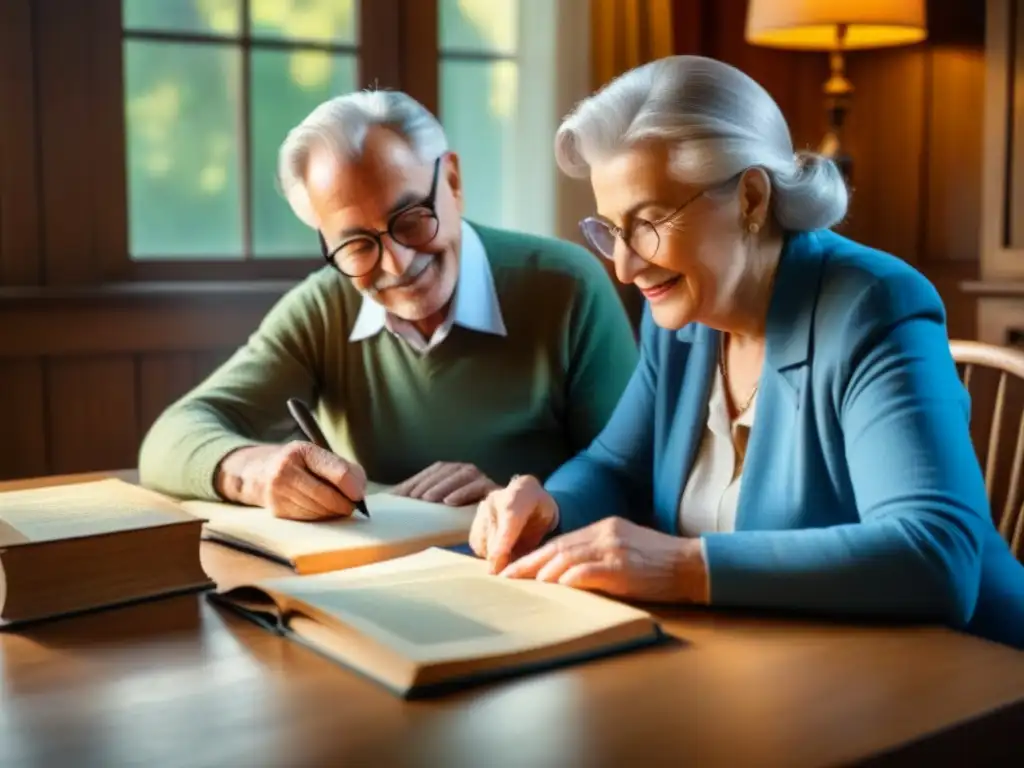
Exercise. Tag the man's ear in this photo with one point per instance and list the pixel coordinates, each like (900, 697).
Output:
(755, 191)
(453, 175)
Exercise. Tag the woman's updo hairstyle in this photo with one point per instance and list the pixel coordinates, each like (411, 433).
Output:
(718, 122)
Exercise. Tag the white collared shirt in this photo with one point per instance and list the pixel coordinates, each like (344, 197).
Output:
(712, 491)
(474, 306)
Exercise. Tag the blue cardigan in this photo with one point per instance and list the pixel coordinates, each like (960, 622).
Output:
(861, 494)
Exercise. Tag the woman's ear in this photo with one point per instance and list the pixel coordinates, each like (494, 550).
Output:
(755, 191)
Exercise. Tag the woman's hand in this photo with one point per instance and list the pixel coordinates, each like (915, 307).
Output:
(622, 559)
(512, 521)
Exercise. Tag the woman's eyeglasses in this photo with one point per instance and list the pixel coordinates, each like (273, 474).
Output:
(640, 236)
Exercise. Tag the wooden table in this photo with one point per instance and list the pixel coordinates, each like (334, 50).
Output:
(180, 683)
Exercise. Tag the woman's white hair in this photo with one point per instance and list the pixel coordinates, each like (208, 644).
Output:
(718, 122)
(341, 124)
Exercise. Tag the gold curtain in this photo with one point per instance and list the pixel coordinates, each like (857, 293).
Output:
(626, 34)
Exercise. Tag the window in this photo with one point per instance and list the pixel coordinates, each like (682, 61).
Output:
(479, 94)
(211, 87)
(508, 71)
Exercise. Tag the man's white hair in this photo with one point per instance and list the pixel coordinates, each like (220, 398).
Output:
(718, 122)
(341, 124)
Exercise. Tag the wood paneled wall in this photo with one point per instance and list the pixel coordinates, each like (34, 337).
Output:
(86, 364)
(76, 413)
(83, 374)
(914, 132)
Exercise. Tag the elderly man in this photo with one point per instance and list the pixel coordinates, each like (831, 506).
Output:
(442, 356)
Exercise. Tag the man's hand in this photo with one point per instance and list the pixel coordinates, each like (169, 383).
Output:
(620, 558)
(297, 481)
(447, 483)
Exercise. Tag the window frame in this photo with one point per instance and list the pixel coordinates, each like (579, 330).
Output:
(378, 24)
(63, 193)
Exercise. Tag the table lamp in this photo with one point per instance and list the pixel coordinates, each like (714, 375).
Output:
(835, 26)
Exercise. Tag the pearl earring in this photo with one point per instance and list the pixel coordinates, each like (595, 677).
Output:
(753, 227)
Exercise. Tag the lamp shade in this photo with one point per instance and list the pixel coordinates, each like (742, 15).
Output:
(814, 24)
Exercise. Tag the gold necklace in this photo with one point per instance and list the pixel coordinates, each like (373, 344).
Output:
(725, 378)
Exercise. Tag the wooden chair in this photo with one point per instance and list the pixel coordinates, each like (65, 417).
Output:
(1008, 364)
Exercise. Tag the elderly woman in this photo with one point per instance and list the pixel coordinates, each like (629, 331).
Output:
(795, 435)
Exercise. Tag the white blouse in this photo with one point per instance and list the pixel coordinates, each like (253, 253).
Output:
(708, 503)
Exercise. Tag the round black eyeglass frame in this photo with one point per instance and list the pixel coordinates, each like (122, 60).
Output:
(426, 206)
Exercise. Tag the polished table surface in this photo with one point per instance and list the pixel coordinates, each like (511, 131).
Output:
(178, 682)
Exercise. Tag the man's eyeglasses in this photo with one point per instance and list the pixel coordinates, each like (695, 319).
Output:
(412, 227)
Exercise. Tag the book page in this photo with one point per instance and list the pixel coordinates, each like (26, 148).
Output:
(392, 519)
(82, 509)
(436, 606)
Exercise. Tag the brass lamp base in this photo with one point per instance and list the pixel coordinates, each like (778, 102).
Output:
(831, 148)
(838, 94)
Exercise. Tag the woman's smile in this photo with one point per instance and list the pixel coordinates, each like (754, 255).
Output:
(662, 289)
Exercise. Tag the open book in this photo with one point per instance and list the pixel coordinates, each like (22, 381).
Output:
(437, 621)
(72, 548)
(397, 526)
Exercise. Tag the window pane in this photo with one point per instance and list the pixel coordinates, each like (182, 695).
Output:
(478, 106)
(479, 25)
(287, 86)
(221, 17)
(322, 21)
(181, 111)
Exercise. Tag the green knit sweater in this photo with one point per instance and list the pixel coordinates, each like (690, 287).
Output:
(522, 403)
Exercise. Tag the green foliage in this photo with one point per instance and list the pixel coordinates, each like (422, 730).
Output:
(183, 108)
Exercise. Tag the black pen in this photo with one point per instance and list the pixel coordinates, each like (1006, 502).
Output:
(304, 418)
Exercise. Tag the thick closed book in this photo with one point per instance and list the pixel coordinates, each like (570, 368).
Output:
(397, 526)
(438, 621)
(71, 548)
